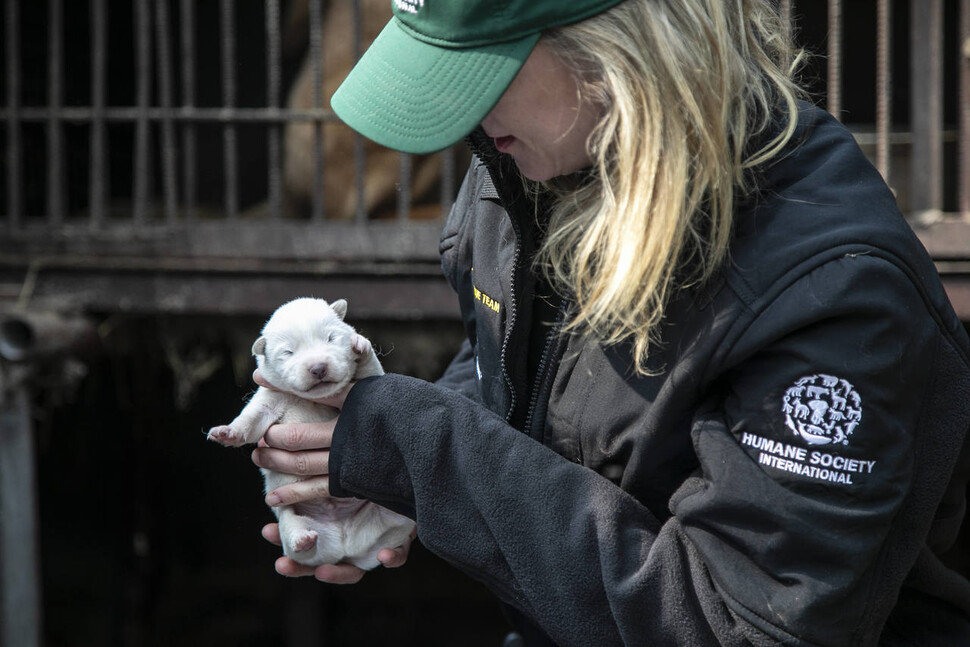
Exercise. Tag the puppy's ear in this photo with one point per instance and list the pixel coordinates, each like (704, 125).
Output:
(340, 307)
(259, 346)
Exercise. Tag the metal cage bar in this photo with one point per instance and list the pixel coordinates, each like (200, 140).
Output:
(14, 146)
(316, 62)
(926, 95)
(963, 52)
(174, 112)
(405, 165)
(883, 86)
(273, 87)
(230, 155)
(163, 50)
(360, 157)
(834, 83)
(187, 55)
(56, 186)
(143, 93)
(98, 173)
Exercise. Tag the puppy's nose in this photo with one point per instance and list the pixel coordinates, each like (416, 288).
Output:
(318, 371)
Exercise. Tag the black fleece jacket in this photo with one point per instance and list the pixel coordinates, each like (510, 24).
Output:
(787, 476)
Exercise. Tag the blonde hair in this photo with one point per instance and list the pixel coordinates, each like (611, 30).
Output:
(687, 85)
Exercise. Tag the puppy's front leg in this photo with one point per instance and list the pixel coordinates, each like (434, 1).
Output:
(262, 411)
(367, 362)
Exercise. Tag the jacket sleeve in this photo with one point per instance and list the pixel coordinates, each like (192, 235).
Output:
(757, 551)
(461, 374)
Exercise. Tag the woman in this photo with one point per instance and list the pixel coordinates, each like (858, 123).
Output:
(713, 391)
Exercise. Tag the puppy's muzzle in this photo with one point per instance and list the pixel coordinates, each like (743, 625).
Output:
(319, 371)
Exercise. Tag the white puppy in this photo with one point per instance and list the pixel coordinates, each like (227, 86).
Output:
(306, 350)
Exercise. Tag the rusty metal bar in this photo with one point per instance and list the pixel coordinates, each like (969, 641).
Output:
(834, 82)
(926, 45)
(273, 85)
(405, 165)
(963, 171)
(56, 189)
(20, 598)
(230, 149)
(360, 158)
(84, 115)
(98, 175)
(187, 30)
(143, 96)
(14, 147)
(884, 90)
(317, 210)
(163, 49)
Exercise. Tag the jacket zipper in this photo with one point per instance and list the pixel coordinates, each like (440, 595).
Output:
(552, 340)
(480, 149)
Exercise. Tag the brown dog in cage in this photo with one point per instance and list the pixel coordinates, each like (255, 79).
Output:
(382, 175)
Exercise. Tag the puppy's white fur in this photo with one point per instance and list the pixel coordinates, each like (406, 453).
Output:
(306, 350)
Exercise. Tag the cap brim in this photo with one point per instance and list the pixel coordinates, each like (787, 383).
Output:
(415, 97)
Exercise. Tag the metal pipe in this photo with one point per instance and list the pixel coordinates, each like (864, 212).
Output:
(187, 29)
(963, 176)
(230, 149)
(14, 147)
(273, 85)
(883, 85)
(30, 336)
(834, 83)
(163, 49)
(318, 207)
(56, 187)
(98, 175)
(405, 163)
(926, 44)
(20, 598)
(360, 158)
(84, 115)
(143, 91)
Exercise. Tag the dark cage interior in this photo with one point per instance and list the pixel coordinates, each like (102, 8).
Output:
(172, 173)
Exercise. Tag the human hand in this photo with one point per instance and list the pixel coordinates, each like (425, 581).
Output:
(300, 449)
(335, 573)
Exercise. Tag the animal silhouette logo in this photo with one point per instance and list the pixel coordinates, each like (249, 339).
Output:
(822, 409)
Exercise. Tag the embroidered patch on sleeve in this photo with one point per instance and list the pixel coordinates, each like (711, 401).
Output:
(822, 412)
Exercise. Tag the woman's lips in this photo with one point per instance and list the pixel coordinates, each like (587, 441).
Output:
(504, 143)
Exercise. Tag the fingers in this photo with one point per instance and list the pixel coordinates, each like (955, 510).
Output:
(300, 436)
(271, 533)
(337, 399)
(339, 573)
(312, 488)
(260, 380)
(287, 567)
(308, 463)
(394, 557)
(333, 573)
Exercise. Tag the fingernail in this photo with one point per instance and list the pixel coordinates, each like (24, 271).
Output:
(273, 499)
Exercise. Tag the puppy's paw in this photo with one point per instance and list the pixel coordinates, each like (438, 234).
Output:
(303, 541)
(361, 345)
(226, 435)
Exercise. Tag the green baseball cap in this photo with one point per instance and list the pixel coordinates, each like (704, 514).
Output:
(439, 66)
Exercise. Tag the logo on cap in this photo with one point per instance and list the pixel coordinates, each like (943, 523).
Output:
(822, 409)
(410, 6)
